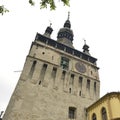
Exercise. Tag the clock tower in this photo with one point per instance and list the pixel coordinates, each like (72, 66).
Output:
(57, 82)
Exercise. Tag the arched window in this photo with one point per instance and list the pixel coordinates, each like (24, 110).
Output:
(94, 116)
(104, 114)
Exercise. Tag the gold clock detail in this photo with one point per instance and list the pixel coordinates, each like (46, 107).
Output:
(80, 67)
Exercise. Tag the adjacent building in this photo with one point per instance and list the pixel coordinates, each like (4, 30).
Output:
(106, 108)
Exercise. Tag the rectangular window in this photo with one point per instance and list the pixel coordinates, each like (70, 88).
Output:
(80, 82)
(42, 74)
(79, 93)
(54, 72)
(64, 63)
(63, 75)
(32, 69)
(88, 84)
(71, 79)
(95, 87)
(70, 90)
(72, 113)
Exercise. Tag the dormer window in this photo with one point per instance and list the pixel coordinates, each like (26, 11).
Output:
(64, 63)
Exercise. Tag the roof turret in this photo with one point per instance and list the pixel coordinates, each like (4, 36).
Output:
(86, 48)
(48, 31)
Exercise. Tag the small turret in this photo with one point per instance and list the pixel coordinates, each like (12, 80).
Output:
(48, 31)
(86, 48)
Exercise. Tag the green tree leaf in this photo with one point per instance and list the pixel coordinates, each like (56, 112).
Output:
(3, 10)
(43, 4)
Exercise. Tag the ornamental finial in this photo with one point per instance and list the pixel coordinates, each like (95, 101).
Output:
(84, 41)
(68, 15)
(50, 23)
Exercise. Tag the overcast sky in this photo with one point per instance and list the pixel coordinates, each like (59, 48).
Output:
(97, 21)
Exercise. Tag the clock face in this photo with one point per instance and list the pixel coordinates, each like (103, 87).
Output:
(80, 67)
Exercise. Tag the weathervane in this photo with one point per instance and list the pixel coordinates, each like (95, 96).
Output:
(84, 41)
(68, 15)
(50, 23)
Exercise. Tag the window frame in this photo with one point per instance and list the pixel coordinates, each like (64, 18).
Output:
(94, 117)
(104, 113)
(72, 112)
(88, 84)
(64, 63)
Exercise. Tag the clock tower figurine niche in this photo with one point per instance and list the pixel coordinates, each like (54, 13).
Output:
(57, 82)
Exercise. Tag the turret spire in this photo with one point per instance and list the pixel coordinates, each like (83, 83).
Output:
(86, 48)
(68, 15)
(84, 42)
(48, 31)
(50, 24)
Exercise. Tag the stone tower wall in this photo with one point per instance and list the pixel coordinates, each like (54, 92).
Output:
(46, 91)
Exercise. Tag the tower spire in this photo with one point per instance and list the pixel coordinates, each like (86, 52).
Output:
(50, 23)
(84, 42)
(68, 15)
(67, 22)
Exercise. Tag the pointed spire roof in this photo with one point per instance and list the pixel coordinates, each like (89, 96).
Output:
(67, 23)
(65, 34)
